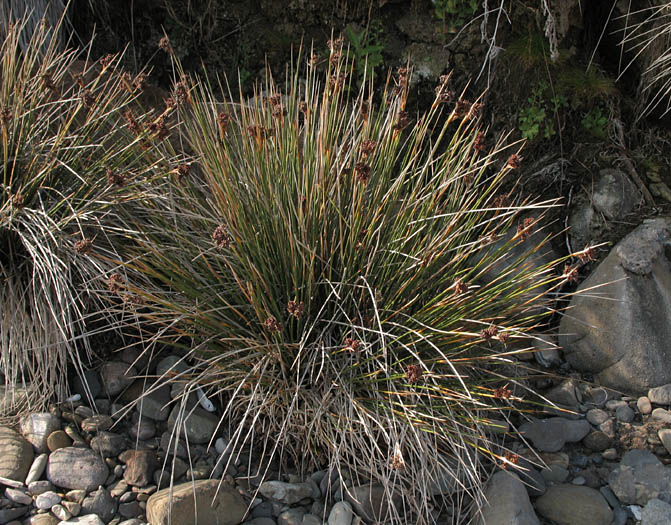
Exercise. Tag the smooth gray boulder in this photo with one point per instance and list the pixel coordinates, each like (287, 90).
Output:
(507, 502)
(618, 328)
(574, 505)
(549, 435)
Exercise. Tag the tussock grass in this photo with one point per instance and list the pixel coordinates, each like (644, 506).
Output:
(348, 280)
(64, 145)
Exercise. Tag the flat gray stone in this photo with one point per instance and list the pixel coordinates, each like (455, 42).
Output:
(656, 512)
(639, 478)
(155, 404)
(198, 426)
(76, 468)
(574, 505)
(507, 502)
(550, 435)
(287, 493)
(370, 502)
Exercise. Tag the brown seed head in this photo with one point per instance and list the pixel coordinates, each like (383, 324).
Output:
(115, 283)
(524, 228)
(460, 287)
(115, 178)
(221, 237)
(570, 273)
(275, 99)
(139, 81)
(158, 128)
(223, 120)
(5, 115)
(183, 170)
(352, 345)
(367, 147)
(297, 309)
(443, 94)
(514, 162)
(133, 124)
(181, 93)
(503, 337)
(587, 255)
(336, 45)
(414, 374)
(503, 392)
(479, 142)
(107, 60)
(272, 325)
(365, 109)
(303, 106)
(164, 45)
(489, 333)
(83, 246)
(362, 172)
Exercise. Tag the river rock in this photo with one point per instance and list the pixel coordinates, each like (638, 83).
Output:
(101, 503)
(140, 466)
(16, 455)
(574, 505)
(341, 514)
(37, 427)
(58, 439)
(507, 502)
(37, 468)
(287, 493)
(639, 478)
(46, 500)
(199, 425)
(619, 331)
(370, 502)
(656, 512)
(660, 395)
(76, 468)
(155, 403)
(116, 376)
(222, 505)
(109, 444)
(549, 435)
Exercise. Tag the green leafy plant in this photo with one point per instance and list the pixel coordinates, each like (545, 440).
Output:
(349, 281)
(595, 122)
(538, 117)
(66, 162)
(366, 47)
(455, 12)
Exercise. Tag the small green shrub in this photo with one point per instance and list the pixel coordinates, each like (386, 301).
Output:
(349, 279)
(66, 160)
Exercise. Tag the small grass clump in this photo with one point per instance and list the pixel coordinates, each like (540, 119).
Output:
(348, 279)
(67, 161)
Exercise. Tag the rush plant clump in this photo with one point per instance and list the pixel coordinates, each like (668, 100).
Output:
(349, 279)
(67, 162)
